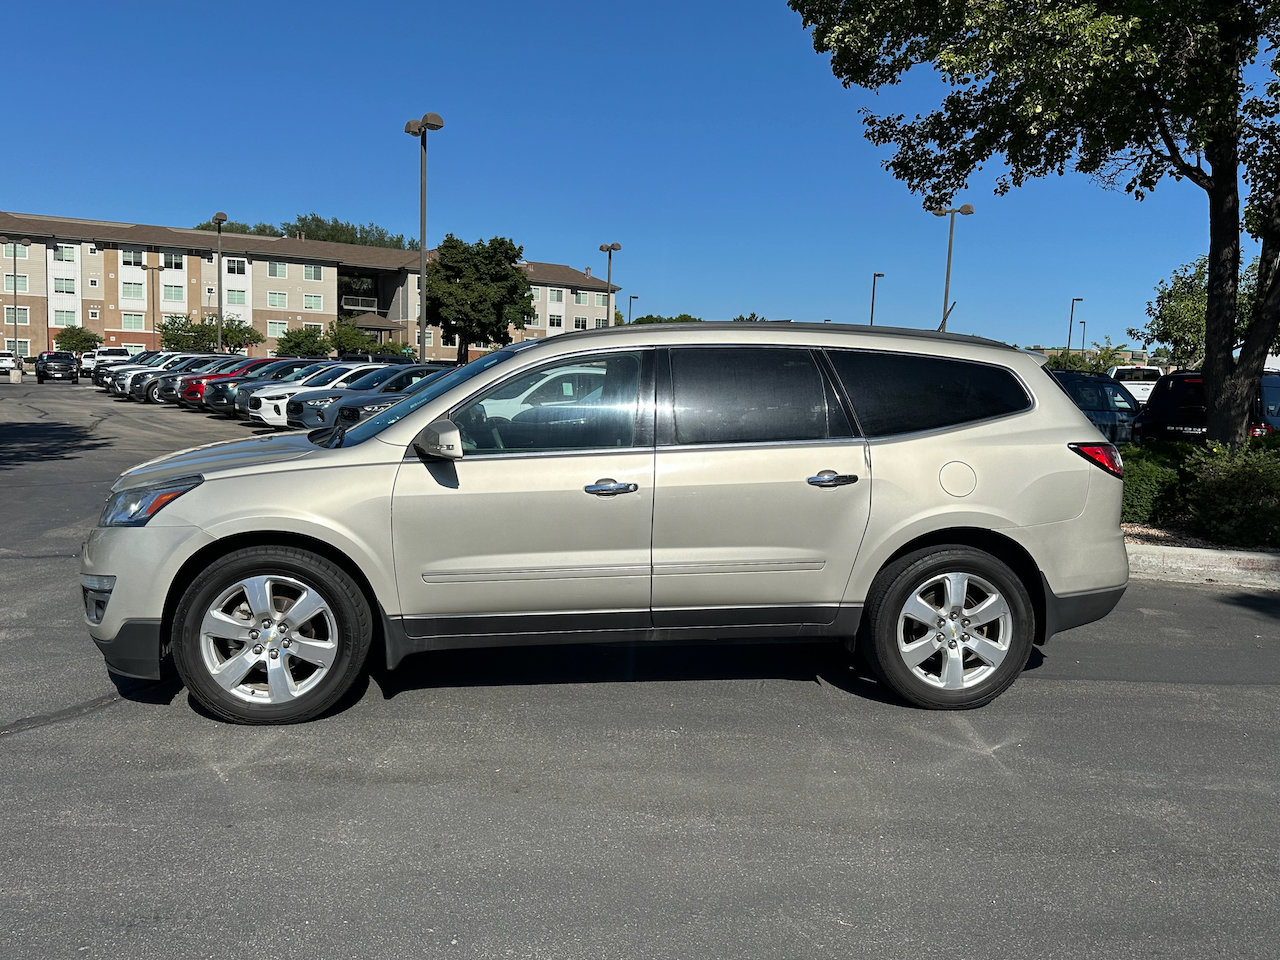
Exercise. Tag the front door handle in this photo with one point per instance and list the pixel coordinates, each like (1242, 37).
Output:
(608, 487)
(829, 478)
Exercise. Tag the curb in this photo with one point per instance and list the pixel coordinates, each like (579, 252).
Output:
(1239, 568)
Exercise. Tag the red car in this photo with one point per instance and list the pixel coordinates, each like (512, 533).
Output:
(191, 391)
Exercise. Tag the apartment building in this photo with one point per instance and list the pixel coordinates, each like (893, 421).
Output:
(121, 280)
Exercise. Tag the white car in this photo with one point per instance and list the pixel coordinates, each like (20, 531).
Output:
(270, 405)
(1138, 380)
(8, 361)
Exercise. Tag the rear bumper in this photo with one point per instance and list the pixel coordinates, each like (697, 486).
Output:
(1077, 609)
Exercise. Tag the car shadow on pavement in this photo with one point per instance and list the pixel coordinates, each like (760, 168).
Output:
(1264, 602)
(802, 661)
(44, 440)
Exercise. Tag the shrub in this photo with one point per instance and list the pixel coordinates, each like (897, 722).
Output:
(1153, 482)
(1233, 494)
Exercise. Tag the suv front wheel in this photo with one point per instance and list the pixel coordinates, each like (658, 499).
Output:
(949, 627)
(271, 635)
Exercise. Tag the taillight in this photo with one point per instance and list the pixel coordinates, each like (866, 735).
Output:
(1104, 455)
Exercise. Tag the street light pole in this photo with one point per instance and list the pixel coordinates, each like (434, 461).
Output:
(1071, 321)
(219, 219)
(874, 278)
(1083, 341)
(608, 280)
(24, 242)
(419, 128)
(964, 210)
(630, 303)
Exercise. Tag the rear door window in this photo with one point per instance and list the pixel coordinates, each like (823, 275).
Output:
(896, 393)
(751, 395)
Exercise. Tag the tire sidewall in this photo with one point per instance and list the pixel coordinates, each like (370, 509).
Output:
(346, 601)
(896, 585)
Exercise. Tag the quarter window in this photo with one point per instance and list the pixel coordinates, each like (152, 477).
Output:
(905, 393)
(752, 395)
(580, 404)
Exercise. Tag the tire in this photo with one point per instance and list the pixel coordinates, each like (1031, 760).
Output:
(153, 393)
(245, 660)
(950, 627)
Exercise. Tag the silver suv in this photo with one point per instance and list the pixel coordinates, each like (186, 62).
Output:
(935, 501)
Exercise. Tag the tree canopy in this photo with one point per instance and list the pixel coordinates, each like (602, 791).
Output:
(302, 342)
(347, 338)
(77, 340)
(475, 291)
(315, 227)
(658, 318)
(1129, 93)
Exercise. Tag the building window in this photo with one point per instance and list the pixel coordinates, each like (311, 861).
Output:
(277, 299)
(580, 298)
(312, 271)
(602, 300)
(65, 318)
(131, 258)
(533, 321)
(132, 321)
(235, 298)
(237, 267)
(24, 314)
(130, 291)
(601, 323)
(555, 296)
(8, 251)
(22, 348)
(93, 281)
(173, 292)
(579, 323)
(277, 328)
(535, 294)
(66, 252)
(64, 284)
(313, 326)
(312, 301)
(173, 261)
(15, 280)
(555, 320)
(93, 250)
(429, 338)
(277, 269)
(208, 258)
(135, 347)
(93, 314)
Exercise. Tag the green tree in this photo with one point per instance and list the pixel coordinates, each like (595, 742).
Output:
(315, 227)
(77, 340)
(658, 318)
(1068, 361)
(179, 332)
(236, 226)
(476, 291)
(347, 338)
(303, 342)
(749, 318)
(1177, 315)
(1127, 93)
(236, 334)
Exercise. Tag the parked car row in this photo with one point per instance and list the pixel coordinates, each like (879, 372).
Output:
(280, 392)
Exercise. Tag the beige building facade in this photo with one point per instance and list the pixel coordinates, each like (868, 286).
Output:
(121, 280)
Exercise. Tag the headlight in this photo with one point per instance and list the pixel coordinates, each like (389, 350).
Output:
(321, 401)
(372, 408)
(137, 505)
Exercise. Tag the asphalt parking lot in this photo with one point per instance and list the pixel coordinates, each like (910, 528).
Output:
(735, 801)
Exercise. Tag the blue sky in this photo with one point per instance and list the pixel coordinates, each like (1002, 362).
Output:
(705, 136)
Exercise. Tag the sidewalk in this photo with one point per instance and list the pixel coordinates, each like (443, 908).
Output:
(1242, 568)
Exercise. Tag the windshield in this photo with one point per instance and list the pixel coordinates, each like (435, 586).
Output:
(265, 370)
(303, 372)
(427, 391)
(1139, 374)
(371, 380)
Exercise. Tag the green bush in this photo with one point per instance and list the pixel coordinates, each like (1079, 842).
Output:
(1233, 493)
(1154, 482)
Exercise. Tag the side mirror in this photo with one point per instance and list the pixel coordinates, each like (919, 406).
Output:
(439, 441)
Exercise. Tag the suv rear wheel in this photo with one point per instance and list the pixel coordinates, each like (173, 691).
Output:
(949, 627)
(271, 635)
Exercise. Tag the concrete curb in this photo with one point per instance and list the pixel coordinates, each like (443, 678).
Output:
(1239, 568)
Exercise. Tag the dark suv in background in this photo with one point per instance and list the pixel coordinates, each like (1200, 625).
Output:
(1177, 411)
(57, 365)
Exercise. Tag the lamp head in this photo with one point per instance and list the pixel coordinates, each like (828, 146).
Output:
(877, 274)
(966, 209)
(219, 218)
(610, 247)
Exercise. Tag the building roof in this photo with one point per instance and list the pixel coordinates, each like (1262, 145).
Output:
(43, 228)
(371, 321)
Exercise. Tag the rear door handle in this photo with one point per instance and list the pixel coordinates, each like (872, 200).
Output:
(829, 478)
(608, 487)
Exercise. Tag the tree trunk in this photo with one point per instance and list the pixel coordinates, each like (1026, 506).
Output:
(1228, 388)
